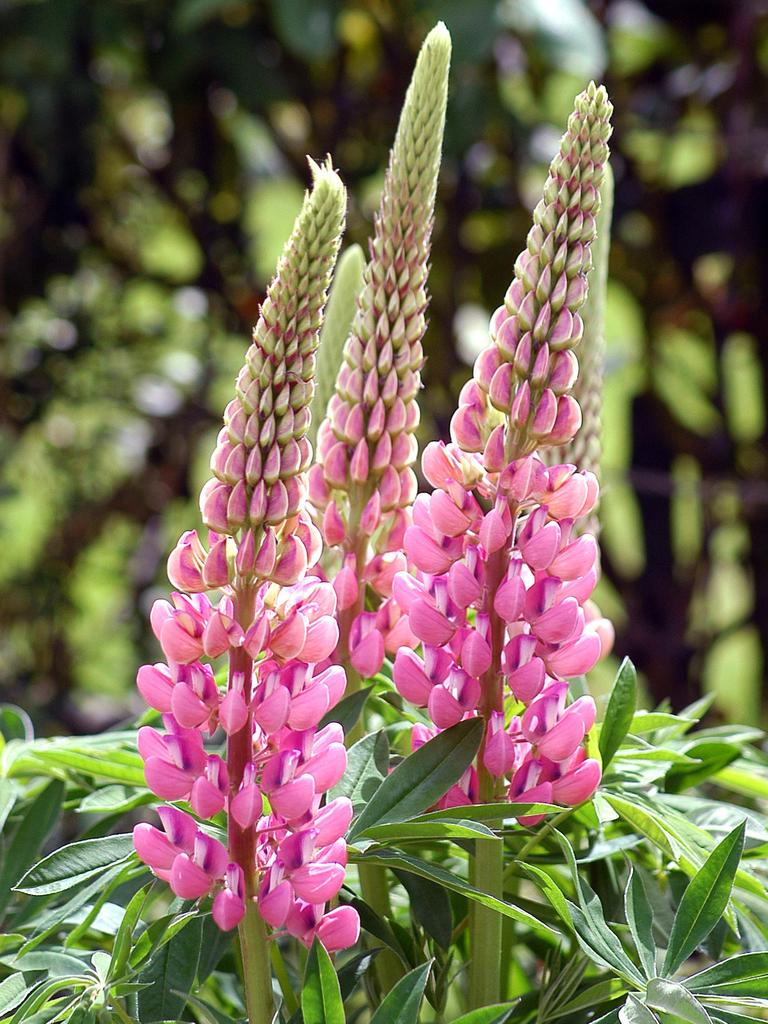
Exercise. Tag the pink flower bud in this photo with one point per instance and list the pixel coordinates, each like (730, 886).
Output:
(521, 405)
(229, 904)
(291, 563)
(463, 586)
(544, 415)
(493, 455)
(339, 929)
(322, 637)
(189, 881)
(264, 564)
(371, 517)
(567, 422)
(185, 563)
(246, 806)
(494, 532)
(288, 637)
(410, 678)
(575, 658)
(428, 623)
(508, 599)
(154, 849)
(156, 684)
(578, 784)
(476, 654)
(366, 645)
(233, 712)
(465, 430)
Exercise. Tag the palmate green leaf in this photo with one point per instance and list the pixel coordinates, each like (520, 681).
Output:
(499, 1013)
(635, 1012)
(70, 865)
(170, 975)
(367, 766)
(321, 1001)
(158, 934)
(640, 920)
(13, 990)
(423, 777)
(31, 832)
(704, 900)
(670, 997)
(441, 876)
(743, 975)
(401, 1004)
(621, 708)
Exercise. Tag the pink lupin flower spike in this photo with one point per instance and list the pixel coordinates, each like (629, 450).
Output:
(274, 622)
(501, 599)
(364, 483)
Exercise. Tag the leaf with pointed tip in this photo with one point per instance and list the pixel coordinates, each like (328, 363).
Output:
(743, 975)
(70, 865)
(635, 1012)
(401, 1004)
(367, 765)
(30, 834)
(621, 709)
(640, 920)
(496, 1014)
(321, 1001)
(13, 990)
(705, 899)
(669, 997)
(423, 777)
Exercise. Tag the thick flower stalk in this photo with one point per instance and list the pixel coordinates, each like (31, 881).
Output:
(364, 484)
(500, 605)
(285, 851)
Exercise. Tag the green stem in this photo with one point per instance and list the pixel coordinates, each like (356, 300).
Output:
(373, 882)
(486, 924)
(289, 997)
(257, 973)
(252, 932)
(116, 1008)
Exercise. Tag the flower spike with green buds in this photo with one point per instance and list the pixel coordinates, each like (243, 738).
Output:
(364, 483)
(501, 602)
(519, 399)
(285, 854)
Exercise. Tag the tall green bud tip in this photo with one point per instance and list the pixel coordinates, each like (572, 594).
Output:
(415, 157)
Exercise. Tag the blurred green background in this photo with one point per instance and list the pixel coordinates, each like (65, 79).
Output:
(152, 158)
